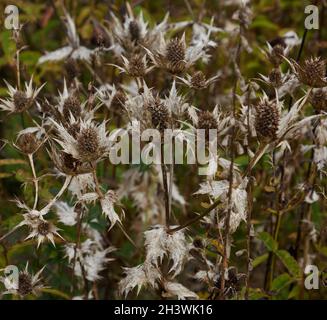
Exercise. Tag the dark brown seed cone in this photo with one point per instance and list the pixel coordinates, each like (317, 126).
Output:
(118, 101)
(275, 77)
(43, 228)
(136, 66)
(267, 120)
(159, 115)
(27, 143)
(71, 68)
(46, 107)
(198, 80)
(207, 122)
(278, 41)
(21, 101)
(67, 164)
(198, 243)
(232, 283)
(72, 106)
(99, 37)
(25, 285)
(68, 161)
(312, 72)
(276, 55)
(318, 99)
(175, 55)
(88, 144)
(134, 30)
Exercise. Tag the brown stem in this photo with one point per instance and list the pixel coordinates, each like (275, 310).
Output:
(249, 208)
(165, 184)
(231, 168)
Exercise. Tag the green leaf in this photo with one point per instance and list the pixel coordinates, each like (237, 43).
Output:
(8, 45)
(56, 292)
(262, 22)
(256, 294)
(4, 162)
(281, 281)
(289, 262)
(258, 260)
(269, 242)
(5, 175)
(294, 293)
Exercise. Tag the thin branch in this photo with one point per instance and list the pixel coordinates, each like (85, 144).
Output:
(35, 181)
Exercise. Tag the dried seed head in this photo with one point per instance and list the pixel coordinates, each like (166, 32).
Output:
(198, 243)
(159, 115)
(267, 120)
(198, 80)
(71, 68)
(207, 121)
(312, 72)
(46, 107)
(72, 106)
(134, 30)
(318, 99)
(99, 37)
(275, 77)
(43, 228)
(278, 41)
(67, 164)
(27, 143)
(233, 282)
(68, 161)
(88, 144)
(175, 55)
(25, 285)
(118, 101)
(136, 66)
(276, 55)
(21, 101)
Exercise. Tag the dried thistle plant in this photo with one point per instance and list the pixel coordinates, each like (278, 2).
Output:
(118, 184)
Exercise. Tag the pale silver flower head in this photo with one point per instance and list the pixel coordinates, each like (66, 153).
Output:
(18, 100)
(25, 284)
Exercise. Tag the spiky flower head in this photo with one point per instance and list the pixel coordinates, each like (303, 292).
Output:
(159, 114)
(134, 30)
(43, 230)
(135, 66)
(72, 106)
(318, 99)
(67, 164)
(27, 143)
(198, 80)
(312, 72)
(20, 100)
(25, 284)
(118, 100)
(207, 121)
(175, 55)
(267, 120)
(90, 143)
